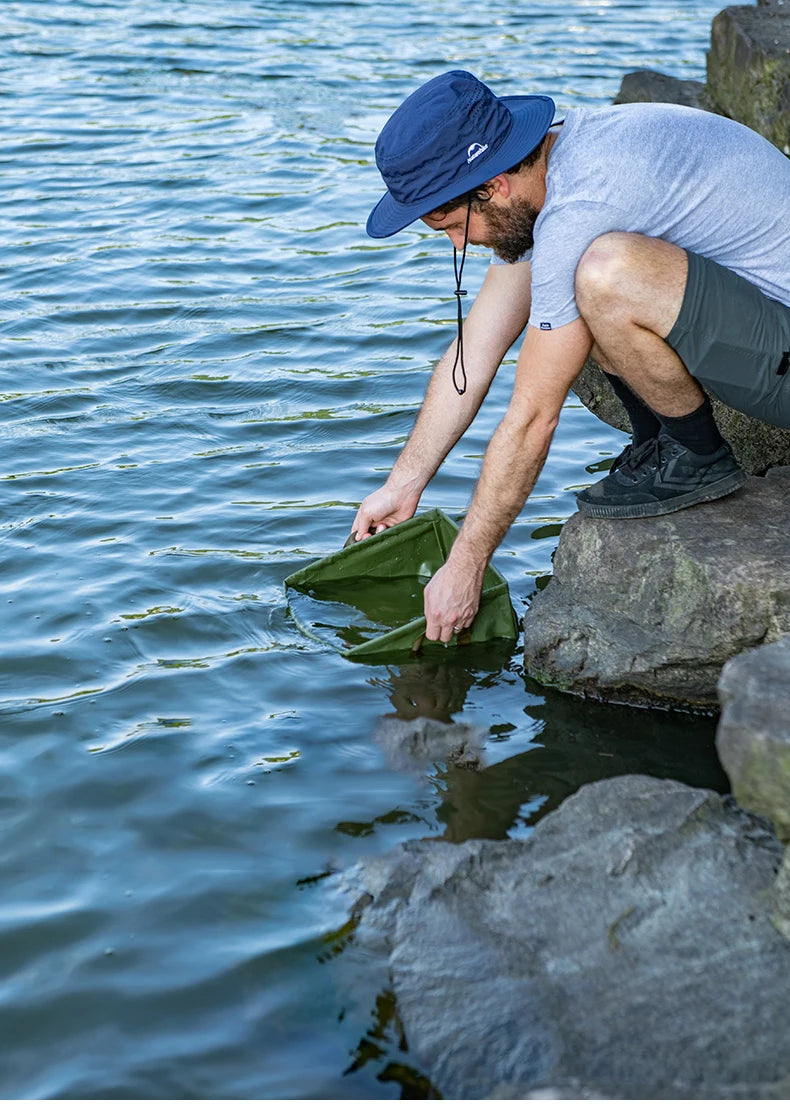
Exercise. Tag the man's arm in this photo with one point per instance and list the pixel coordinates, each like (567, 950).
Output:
(548, 363)
(498, 315)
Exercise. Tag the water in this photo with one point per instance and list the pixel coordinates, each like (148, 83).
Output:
(354, 612)
(206, 365)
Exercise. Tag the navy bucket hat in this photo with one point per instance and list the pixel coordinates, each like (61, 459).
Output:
(449, 136)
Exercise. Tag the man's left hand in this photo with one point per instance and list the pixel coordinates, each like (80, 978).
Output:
(452, 598)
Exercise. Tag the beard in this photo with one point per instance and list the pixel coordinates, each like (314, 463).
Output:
(509, 229)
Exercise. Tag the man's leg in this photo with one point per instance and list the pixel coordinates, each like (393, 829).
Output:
(644, 423)
(630, 289)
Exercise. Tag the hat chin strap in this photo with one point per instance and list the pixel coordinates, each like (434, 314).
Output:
(459, 291)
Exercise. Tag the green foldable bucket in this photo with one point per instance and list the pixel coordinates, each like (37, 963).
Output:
(378, 584)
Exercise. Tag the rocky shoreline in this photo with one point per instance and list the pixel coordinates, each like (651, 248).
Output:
(634, 947)
(637, 944)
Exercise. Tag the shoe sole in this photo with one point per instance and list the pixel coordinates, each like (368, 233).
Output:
(723, 487)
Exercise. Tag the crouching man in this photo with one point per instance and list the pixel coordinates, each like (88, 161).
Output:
(655, 236)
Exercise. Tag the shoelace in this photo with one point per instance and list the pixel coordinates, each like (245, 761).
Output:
(648, 456)
(459, 291)
(633, 456)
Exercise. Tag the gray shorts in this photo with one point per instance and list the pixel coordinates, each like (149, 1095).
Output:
(735, 341)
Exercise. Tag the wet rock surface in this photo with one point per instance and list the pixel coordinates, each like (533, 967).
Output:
(625, 950)
(753, 737)
(648, 611)
(412, 746)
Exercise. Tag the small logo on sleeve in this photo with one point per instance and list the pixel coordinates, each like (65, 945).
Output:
(545, 325)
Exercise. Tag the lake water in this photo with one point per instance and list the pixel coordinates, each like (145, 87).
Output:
(205, 366)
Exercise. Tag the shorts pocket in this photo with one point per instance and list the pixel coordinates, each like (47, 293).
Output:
(748, 380)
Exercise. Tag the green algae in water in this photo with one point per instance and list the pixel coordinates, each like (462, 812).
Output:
(352, 612)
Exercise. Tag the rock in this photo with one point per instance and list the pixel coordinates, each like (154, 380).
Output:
(625, 950)
(753, 737)
(757, 445)
(749, 68)
(412, 746)
(781, 898)
(648, 86)
(648, 611)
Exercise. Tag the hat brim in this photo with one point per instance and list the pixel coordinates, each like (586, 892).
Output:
(532, 117)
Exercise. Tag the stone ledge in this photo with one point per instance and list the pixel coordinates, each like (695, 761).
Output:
(648, 611)
(649, 86)
(753, 737)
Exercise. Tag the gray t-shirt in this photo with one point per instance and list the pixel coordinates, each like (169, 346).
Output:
(696, 179)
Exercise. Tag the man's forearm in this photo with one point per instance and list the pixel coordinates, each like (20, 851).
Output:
(442, 420)
(548, 364)
(496, 318)
(512, 464)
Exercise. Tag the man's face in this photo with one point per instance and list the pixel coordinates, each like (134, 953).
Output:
(504, 227)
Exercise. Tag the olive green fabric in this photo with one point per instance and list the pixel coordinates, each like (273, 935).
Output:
(412, 551)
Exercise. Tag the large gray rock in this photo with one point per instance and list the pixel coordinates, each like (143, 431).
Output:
(757, 445)
(749, 68)
(648, 611)
(649, 86)
(625, 950)
(753, 737)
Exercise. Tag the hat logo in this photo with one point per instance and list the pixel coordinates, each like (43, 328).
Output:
(475, 150)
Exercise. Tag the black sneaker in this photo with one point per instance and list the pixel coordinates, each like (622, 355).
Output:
(659, 477)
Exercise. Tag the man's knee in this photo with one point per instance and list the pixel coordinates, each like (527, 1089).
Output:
(607, 269)
(633, 278)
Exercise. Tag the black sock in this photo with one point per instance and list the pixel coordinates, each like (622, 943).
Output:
(644, 422)
(697, 430)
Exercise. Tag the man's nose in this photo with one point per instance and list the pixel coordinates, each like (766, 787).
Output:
(456, 237)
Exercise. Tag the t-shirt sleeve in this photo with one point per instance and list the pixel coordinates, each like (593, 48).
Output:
(524, 257)
(562, 233)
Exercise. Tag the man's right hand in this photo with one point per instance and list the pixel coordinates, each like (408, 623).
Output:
(382, 509)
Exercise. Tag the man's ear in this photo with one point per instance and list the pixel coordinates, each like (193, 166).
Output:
(500, 185)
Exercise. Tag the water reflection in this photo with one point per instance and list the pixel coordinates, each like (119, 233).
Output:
(436, 686)
(573, 742)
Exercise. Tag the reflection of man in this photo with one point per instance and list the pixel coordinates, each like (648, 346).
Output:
(661, 242)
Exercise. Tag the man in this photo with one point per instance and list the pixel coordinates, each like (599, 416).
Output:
(655, 236)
